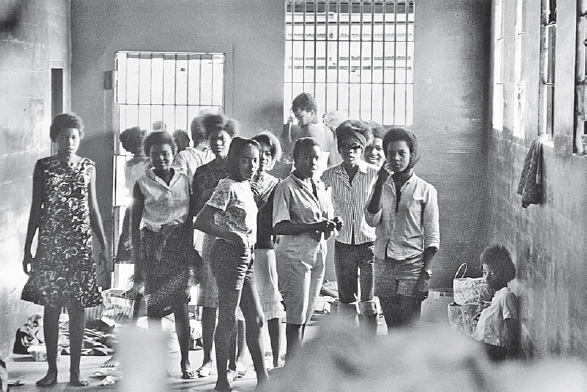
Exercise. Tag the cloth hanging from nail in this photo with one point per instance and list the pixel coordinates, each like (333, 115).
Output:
(531, 185)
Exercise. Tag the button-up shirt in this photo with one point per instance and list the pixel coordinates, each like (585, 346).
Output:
(408, 222)
(349, 199)
(295, 201)
(164, 204)
(191, 158)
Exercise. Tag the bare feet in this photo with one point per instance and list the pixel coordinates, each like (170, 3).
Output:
(223, 388)
(47, 381)
(111, 362)
(188, 374)
(76, 382)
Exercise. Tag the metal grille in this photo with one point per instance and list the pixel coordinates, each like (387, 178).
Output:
(353, 56)
(168, 87)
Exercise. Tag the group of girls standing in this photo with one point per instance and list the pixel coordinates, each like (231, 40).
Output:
(240, 208)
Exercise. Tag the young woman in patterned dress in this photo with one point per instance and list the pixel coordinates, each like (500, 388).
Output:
(64, 211)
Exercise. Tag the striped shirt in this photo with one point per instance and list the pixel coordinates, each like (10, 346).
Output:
(349, 199)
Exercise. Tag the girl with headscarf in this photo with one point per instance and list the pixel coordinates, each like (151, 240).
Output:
(404, 210)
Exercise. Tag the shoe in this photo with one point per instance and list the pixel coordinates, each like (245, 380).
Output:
(231, 375)
(241, 371)
(205, 370)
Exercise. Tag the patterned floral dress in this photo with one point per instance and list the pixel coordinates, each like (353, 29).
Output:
(63, 271)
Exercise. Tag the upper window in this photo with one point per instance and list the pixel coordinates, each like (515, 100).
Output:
(354, 56)
(171, 88)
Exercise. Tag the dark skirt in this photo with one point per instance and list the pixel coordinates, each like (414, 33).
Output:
(169, 264)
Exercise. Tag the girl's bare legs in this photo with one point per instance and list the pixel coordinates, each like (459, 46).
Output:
(208, 330)
(236, 360)
(182, 328)
(253, 313)
(224, 332)
(294, 334)
(51, 331)
(273, 326)
(77, 324)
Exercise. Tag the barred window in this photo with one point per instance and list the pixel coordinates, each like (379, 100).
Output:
(354, 56)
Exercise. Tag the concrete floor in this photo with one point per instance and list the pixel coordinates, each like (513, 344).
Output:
(23, 368)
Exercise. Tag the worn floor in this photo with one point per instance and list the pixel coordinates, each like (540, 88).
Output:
(24, 369)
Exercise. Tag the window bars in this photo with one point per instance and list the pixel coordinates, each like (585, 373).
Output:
(356, 57)
(168, 87)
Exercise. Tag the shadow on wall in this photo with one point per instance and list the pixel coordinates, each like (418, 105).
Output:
(266, 119)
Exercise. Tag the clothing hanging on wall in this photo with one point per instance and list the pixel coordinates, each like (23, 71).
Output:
(531, 185)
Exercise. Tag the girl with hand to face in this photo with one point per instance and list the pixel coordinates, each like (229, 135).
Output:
(302, 216)
(403, 208)
(230, 215)
(161, 235)
(65, 212)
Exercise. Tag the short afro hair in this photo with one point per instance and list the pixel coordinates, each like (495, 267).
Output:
(218, 122)
(65, 121)
(182, 139)
(197, 130)
(398, 134)
(303, 142)
(499, 258)
(158, 138)
(132, 139)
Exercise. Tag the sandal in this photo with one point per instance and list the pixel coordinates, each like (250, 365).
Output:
(206, 369)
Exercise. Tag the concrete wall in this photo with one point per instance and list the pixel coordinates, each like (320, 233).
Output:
(250, 33)
(450, 100)
(31, 43)
(547, 241)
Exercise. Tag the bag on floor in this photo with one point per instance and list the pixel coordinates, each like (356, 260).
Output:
(30, 334)
(463, 317)
(469, 290)
(118, 307)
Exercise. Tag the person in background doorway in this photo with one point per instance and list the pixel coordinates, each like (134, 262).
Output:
(132, 141)
(161, 235)
(159, 126)
(498, 327)
(373, 152)
(404, 210)
(193, 157)
(182, 140)
(62, 273)
(265, 271)
(303, 218)
(230, 216)
(350, 183)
